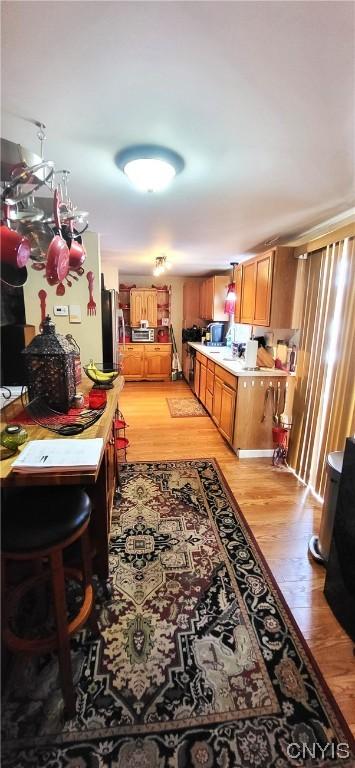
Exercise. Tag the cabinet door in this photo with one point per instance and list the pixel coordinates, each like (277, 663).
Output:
(136, 308)
(226, 423)
(209, 401)
(157, 362)
(197, 377)
(210, 381)
(248, 293)
(203, 300)
(133, 361)
(217, 400)
(209, 299)
(263, 289)
(237, 278)
(203, 376)
(150, 307)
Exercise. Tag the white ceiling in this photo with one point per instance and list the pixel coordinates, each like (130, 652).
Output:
(258, 97)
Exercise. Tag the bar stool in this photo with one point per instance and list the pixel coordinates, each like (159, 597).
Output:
(38, 524)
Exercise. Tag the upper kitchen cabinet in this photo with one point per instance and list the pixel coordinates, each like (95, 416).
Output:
(143, 306)
(212, 297)
(266, 289)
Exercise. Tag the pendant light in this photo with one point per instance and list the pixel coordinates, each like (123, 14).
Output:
(229, 304)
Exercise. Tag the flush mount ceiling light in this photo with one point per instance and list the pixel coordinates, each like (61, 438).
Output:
(148, 166)
(161, 265)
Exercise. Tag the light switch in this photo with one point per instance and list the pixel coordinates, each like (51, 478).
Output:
(60, 309)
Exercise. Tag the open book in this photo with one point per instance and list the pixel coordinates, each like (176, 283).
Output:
(65, 454)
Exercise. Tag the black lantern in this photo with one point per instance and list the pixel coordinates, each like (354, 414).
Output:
(50, 368)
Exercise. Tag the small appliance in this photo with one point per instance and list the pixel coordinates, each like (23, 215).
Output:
(215, 331)
(250, 355)
(143, 334)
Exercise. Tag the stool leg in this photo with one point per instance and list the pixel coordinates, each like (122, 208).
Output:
(60, 611)
(87, 578)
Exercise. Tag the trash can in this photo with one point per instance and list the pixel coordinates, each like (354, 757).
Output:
(319, 546)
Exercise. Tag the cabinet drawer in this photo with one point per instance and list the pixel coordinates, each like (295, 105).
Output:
(226, 377)
(210, 381)
(201, 358)
(153, 349)
(210, 365)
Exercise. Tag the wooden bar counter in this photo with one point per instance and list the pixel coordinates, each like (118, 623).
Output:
(100, 484)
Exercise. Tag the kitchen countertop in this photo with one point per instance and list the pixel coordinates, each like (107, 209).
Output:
(223, 357)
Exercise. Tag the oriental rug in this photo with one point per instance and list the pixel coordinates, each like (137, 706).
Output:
(181, 407)
(199, 663)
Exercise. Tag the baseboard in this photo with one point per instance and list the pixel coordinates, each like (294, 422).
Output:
(258, 453)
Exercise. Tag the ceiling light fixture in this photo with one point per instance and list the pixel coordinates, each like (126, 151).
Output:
(149, 167)
(161, 265)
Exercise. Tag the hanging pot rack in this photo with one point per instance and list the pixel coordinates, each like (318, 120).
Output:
(23, 174)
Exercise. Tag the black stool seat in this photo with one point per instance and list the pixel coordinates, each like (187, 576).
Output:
(37, 518)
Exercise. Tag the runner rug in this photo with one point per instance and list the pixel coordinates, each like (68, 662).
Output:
(199, 663)
(181, 407)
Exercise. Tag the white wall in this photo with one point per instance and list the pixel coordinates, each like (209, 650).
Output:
(88, 333)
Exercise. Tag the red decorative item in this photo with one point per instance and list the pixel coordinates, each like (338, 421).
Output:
(97, 398)
(42, 295)
(91, 307)
(229, 304)
(163, 336)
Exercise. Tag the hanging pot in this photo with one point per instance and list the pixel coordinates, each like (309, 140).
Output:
(77, 252)
(40, 236)
(57, 266)
(15, 251)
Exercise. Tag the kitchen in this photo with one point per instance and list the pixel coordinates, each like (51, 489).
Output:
(238, 229)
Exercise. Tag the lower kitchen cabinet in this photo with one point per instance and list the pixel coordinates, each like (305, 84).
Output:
(224, 398)
(151, 362)
(239, 405)
(157, 362)
(197, 377)
(203, 378)
(133, 362)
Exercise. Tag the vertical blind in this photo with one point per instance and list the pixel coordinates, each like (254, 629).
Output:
(324, 402)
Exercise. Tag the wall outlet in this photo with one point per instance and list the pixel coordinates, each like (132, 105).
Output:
(61, 309)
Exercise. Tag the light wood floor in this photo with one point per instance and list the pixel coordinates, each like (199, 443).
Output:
(280, 512)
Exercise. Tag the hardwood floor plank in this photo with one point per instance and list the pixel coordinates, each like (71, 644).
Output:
(281, 512)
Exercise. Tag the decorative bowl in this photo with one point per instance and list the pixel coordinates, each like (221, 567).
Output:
(102, 376)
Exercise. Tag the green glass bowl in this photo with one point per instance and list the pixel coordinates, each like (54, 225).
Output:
(12, 436)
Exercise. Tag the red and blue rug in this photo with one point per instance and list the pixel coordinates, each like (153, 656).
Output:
(199, 663)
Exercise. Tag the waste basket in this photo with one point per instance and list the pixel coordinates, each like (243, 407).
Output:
(319, 546)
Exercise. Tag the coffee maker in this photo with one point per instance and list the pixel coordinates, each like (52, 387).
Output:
(216, 334)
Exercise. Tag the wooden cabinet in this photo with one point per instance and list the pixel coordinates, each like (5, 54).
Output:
(263, 283)
(197, 377)
(224, 399)
(203, 377)
(266, 289)
(212, 297)
(133, 361)
(237, 279)
(226, 421)
(147, 361)
(143, 306)
(247, 304)
(191, 303)
(157, 362)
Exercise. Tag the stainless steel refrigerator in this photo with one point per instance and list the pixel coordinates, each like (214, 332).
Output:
(112, 328)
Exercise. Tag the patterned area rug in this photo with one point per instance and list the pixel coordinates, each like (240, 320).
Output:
(180, 407)
(199, 664)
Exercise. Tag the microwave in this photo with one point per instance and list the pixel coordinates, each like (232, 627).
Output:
(142, 334)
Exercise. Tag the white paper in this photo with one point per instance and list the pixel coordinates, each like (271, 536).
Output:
(66, 453)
